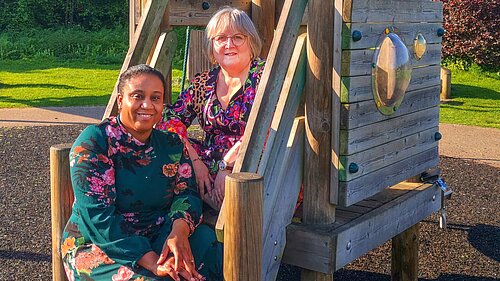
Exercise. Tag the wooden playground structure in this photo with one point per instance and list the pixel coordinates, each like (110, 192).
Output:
(338, 110)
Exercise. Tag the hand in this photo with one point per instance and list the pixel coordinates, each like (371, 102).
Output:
(220, 186)
(183, 261)
(203, 178)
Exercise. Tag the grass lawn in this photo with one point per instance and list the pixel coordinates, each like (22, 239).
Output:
(39, 83)
(475, 99)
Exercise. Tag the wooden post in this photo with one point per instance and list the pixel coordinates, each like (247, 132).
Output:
(318, 112)
(404, 265)
(61, 194)
(445, 83)
(263, 13)
(243, 227)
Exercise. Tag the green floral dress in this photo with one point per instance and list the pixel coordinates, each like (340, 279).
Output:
(127, 194)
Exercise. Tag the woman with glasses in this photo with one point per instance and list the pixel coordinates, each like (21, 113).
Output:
(221, 99)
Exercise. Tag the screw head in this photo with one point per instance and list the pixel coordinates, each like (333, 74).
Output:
(440, 32)
(353, 168)
(205, 5)
(349, 245)
(437, 136)
(356, 35)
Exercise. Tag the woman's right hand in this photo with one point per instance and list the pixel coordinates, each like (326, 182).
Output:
(203, 178)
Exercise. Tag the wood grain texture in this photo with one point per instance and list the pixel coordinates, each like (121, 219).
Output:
(263, 13)
(387, 154)
(404, 257)
(374, 11)
(363, 138)
(364, 113)
(328, 248)
(61, 197)
(197, 60)
(359, 88)
(188, 12)
(144, 39)
(365, 186)
(243, 238)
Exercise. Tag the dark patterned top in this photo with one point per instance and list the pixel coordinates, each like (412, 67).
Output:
(223, 127)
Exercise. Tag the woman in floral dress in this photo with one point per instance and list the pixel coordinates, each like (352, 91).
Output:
(221, 99)
(137, 212)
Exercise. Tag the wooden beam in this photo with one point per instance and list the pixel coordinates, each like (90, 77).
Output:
(243, 241)
(393, 11)
(61, 198)
(270, 86)
(404, 258)
(163, 56)
(198, 13)
(320, 106)
(263, 13)
(197, 61)
(142, 44)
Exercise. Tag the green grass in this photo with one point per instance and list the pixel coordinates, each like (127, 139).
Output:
(475, 99)
(48, 82)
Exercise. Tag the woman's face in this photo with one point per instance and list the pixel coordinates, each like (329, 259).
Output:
(228, 54)
(141, 105)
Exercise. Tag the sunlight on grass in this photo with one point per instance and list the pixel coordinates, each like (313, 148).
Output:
(35, 84)
(475, 100)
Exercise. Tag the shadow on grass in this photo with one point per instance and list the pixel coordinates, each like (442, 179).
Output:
(20, 66)
(467, 91)
(63, 101)
(48, 86)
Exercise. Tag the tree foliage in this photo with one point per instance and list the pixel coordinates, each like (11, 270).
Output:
(472, 31)
(87, 14)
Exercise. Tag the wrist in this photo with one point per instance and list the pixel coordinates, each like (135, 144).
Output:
(225, 166)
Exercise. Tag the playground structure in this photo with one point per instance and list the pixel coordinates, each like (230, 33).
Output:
(348, 106)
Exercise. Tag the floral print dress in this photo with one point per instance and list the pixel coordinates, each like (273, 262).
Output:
(222, 127)
(127, 195)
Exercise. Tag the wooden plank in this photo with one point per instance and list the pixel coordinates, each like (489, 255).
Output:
(270, 87)
(280, 206)
(392, 11)
(372, 32)
(193, 13)
(387, 154)
(286, 109)
(142, 44)
(359, 62)
(367, 232)
(61, 200)
(363, 138)
(359, 88)
(366, 112)
(263, 13)
(163, 56)
(197, 61)
(326, 248)
(309, 246)
(365, 186)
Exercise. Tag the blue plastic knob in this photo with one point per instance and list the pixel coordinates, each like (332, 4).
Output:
(440, 31)
(205, 5)
(437, 136)
(353, 168)
(356, 35)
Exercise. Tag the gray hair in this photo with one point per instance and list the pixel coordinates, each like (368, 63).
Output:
(228, 17)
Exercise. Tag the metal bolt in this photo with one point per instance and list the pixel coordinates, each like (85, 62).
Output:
(433, 197)
(353, 168)
(349, 245)
(205, 5)
(437, 136)
(275, 242)
(356, 35)
(440, 32)
(275, 258)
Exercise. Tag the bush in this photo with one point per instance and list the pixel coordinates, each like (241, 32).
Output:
(472, 32)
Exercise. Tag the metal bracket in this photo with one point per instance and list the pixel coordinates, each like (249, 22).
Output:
(432, 176)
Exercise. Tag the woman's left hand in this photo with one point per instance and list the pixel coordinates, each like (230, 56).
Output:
(220, 186)
(177, 243)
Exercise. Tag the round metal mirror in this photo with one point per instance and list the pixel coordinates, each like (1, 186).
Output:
(419, 46)
(391, 72)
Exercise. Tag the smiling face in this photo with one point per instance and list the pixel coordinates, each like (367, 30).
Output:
(141, 105)
(230, 57)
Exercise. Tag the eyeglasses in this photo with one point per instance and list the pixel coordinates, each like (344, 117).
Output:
(222, 40)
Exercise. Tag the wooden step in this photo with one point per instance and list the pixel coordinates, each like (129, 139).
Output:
(360, 228)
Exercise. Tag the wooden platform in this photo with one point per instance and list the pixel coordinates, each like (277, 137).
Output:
(360, 228)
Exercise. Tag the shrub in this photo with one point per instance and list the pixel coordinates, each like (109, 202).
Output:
(472, 31)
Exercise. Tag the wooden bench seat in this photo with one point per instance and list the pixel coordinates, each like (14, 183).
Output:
(360, 228)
